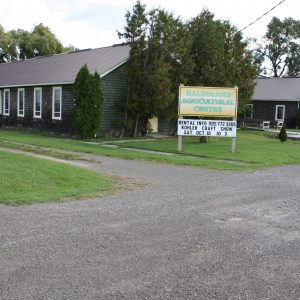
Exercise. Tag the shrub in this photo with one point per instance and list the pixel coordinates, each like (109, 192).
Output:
(282, 134)
(203, 139)
(88, 101)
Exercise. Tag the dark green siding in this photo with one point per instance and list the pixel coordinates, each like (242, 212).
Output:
(114, 89)
(167, 126)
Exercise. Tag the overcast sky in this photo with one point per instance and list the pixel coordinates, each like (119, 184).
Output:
(93, 23)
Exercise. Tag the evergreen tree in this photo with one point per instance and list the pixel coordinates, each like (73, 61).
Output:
(156, 64)
(88, 99)
(172, 46)
(282, 134)
(135, 34)
(221, 56)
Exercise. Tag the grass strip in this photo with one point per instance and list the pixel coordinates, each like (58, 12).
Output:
(25, 179)
(41, 151)
(254, 150)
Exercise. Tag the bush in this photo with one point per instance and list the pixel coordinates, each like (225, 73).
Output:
(282, 134)
(88, 100)
(203, 139)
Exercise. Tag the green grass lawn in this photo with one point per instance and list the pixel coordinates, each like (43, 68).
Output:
(25, 179)
(254, 150)
(252, 147)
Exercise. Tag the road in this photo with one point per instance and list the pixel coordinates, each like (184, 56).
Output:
(180, 233)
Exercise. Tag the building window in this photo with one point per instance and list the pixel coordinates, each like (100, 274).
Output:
(0, 102)
(56, 103)
(21, 102)
(6, 102)
(280, 111)
(37, 105)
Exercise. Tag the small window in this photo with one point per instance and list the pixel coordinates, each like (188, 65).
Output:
(56, 103)
(21, 102)
(280, 111)
(6, 102)
(37, 105)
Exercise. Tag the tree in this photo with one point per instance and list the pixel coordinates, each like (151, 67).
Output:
(135, 34)
(8, 46)
(156, 58)
(281, 48)
(88, 100)
(282, 134)
(22, 44)
(44, 42)
(172, 44)
(221, 56)
(166, 52)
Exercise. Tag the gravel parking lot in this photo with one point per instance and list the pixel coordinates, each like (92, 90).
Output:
(182, 233)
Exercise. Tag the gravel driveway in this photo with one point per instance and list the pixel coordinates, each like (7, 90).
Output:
(189, 233)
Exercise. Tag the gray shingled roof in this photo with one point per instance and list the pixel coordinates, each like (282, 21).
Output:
(62, 68)
(277, 89)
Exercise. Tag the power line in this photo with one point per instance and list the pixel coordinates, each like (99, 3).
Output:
(260, 17)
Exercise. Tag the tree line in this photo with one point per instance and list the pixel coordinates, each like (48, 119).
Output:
(167, 52)
(22, 44)
(203, 51)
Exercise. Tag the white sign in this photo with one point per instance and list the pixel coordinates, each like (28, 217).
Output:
(196, 127)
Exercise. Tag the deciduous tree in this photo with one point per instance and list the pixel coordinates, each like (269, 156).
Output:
(22, 44)
(281, 48)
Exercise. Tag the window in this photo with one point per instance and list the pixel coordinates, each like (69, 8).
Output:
(37, 105)
(0, 102)
(21, 102)
(6, 102)
(280, 111)
(56, 103)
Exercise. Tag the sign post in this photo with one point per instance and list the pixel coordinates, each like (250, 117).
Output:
(179, 143)
(233, 140)
(207, 102)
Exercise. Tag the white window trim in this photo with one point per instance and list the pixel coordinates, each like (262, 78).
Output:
(18, 112)
(34, 102)
(276, 111)
(0, 102)
(4, 92)
(53, 95)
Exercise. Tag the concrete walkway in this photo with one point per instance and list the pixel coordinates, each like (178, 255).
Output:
(183, 233)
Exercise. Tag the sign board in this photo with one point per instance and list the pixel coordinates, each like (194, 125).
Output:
(207, 101)
(196, 127)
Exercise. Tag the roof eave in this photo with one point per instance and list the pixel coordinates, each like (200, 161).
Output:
(34, 84)
(114, 68)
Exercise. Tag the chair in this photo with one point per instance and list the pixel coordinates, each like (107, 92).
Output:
(279, 125)
(265, 125)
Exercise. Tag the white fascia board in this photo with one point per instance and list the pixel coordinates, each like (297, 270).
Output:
(35, 84)
(114, 68)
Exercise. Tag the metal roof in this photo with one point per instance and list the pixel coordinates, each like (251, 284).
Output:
(62, 68)
(277, 89)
